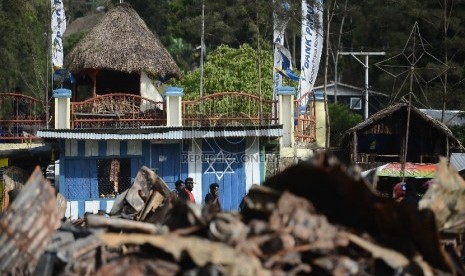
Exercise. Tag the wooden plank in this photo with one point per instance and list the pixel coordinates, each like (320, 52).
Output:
(28, 225)
(355, 150)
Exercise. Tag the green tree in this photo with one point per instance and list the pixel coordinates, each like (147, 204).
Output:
(441, 27)
(156, 15)
(183, 53)
(229, 69)
(24, 45)
(342, 119)
(459, 133)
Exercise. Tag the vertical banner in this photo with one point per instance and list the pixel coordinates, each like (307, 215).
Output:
(311, 47)
(279, 26)
(58, 26)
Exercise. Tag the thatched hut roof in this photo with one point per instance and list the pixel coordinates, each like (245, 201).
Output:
(121, 41)
(389, 111)
(83, 24)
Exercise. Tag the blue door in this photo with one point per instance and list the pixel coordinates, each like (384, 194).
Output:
(81, 182)
(166, 161)
(223, 164)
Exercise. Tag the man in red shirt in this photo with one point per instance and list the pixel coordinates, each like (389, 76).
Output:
(189, 187)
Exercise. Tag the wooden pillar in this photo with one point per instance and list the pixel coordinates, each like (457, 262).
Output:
(355, 145)
(93, 76)
(447, 148)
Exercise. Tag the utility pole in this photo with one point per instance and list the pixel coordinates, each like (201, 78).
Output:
(202, 49)
(365, 65)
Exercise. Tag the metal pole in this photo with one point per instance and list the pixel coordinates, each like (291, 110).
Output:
(48, 62)
(202, 49)
(366, 87)
(259, 68)
(365, 65)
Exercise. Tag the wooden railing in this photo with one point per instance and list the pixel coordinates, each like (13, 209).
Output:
(229, 108)
(117, 110)
(371, 160)
(305, 124)
(20, 117)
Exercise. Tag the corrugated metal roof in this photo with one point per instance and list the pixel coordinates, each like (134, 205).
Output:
(458, 161)
(451, 117)
(163, 133)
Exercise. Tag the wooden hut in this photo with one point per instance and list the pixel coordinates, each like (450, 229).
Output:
(397, 131)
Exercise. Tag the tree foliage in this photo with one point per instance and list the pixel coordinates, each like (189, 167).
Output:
(24, 46)
(441, 26)
(229, 69)
(459, 133)
(342, 119)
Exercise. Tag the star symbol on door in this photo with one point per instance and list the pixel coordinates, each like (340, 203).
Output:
(220, 158)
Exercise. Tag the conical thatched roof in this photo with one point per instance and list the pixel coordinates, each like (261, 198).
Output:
(121, 41)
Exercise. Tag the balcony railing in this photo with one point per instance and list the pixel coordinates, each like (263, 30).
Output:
(117, 111)
(20, 117)
(229, 108)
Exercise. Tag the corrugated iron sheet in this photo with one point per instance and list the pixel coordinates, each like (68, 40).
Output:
(161, 133)
(458, 161)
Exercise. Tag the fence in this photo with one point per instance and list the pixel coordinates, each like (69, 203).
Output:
(21, 116)
(229, 108)
(305, 124)
(117, 110)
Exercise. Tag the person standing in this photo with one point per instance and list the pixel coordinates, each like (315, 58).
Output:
(213, 197)
(180, 190)
(189, 182)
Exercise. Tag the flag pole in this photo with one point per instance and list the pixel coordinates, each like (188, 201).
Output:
(47, 69)
(202, 49)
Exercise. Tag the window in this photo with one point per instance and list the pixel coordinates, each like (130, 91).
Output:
(113, 176)
(356, 103)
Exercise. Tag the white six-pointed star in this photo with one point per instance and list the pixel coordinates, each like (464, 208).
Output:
(219, 158)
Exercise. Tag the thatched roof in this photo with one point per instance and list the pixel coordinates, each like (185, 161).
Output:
(387, 112)
(121, 41)
(83, 24)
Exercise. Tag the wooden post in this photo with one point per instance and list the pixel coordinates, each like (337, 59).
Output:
(447, 148)
(355, 145)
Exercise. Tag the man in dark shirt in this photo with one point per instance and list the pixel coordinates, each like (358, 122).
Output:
(180, 190)
(213, 197)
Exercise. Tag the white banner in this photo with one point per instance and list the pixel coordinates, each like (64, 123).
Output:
(311, 46)
(58, 26)
(279, 26)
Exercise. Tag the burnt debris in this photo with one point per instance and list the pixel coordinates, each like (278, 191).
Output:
(314, 218)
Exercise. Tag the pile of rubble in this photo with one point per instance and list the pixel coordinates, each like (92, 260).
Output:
(316, 218)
